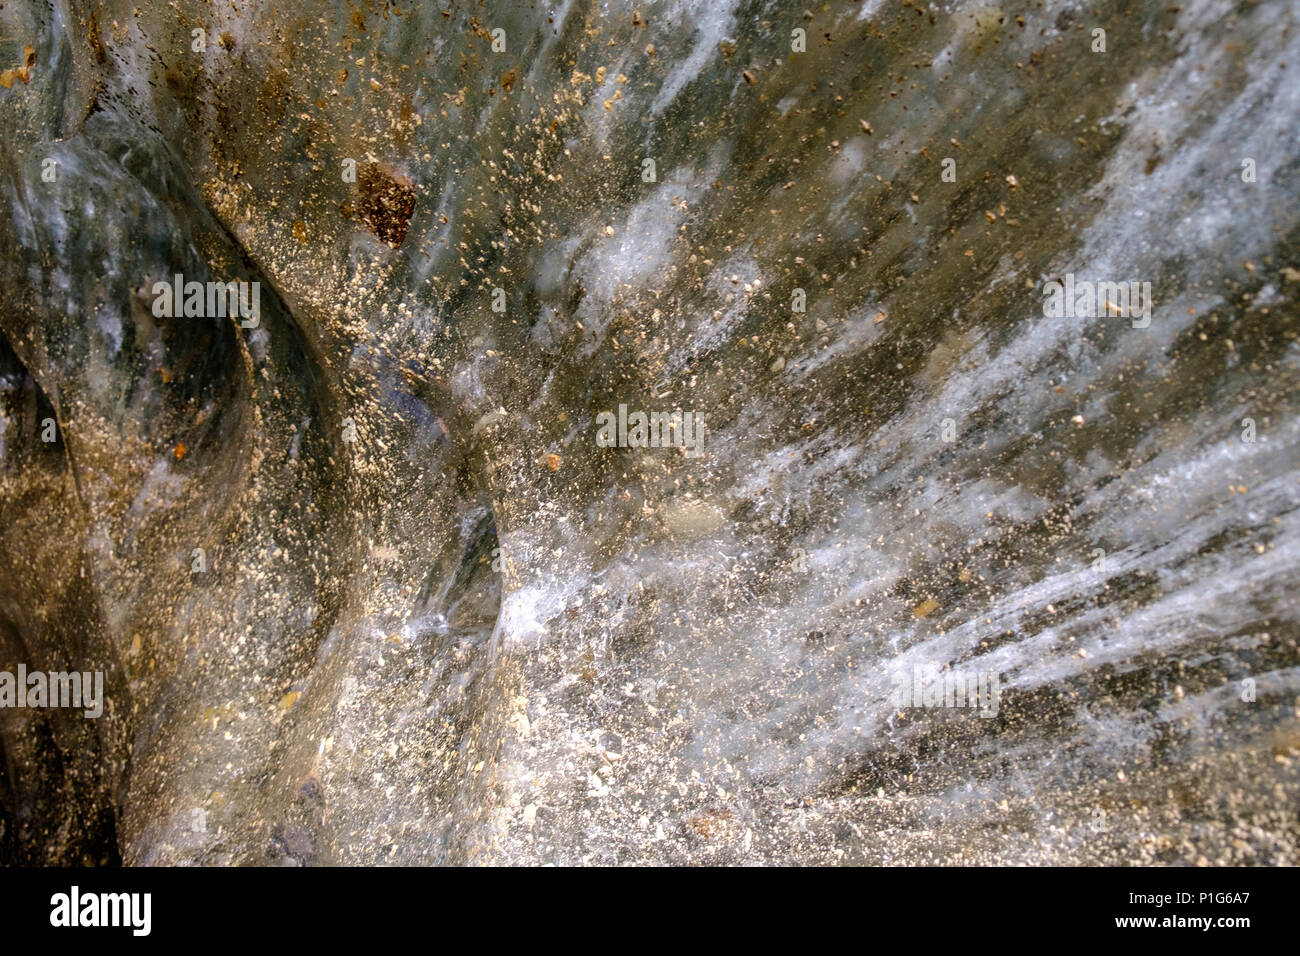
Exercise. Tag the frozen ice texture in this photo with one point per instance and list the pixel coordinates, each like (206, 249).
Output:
(471, 635)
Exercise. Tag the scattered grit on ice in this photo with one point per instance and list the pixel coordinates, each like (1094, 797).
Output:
(472, 634)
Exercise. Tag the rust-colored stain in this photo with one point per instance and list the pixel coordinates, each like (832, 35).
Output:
(385, 203)
(926, 607)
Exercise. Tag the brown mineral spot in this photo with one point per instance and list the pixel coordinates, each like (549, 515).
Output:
(180, 450)
(712, 823)
(749, 77)
(553, 462)
(508, 81)
(926, 607)
(289, 699)
(300, 230)
(385, 203)
(96, 44)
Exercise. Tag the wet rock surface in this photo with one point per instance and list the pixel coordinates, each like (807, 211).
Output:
(365, 585)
